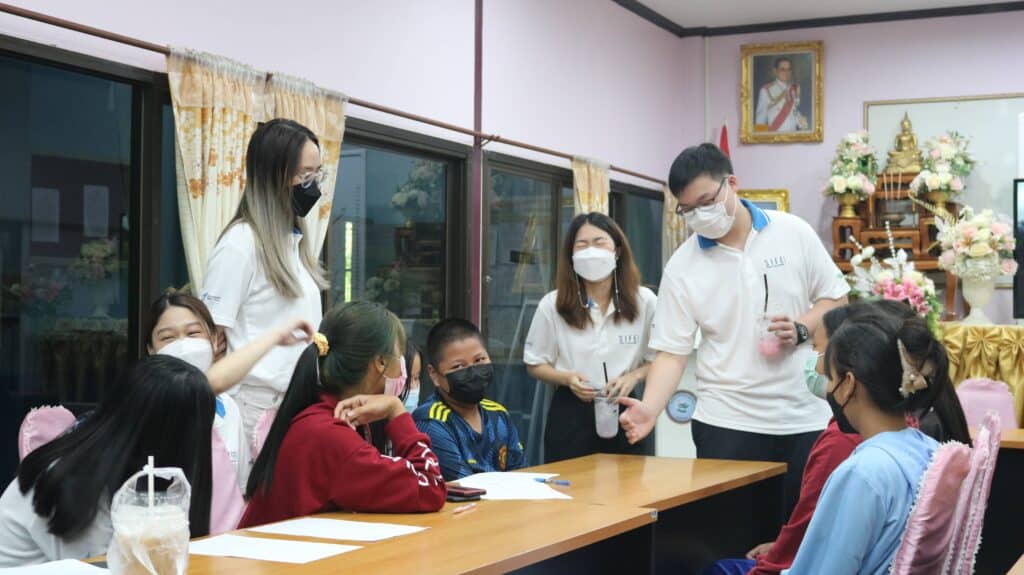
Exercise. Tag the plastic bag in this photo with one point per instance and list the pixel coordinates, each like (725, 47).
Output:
(150, 540)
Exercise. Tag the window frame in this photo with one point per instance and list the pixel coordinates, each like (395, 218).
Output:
(558, 178)
(457, 225)
(150, 93)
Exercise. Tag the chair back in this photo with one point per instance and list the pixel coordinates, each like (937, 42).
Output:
(973, 499)
(925, 545)
(978, 396)
(41, 426)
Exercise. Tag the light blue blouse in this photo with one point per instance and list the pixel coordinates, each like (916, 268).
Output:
(864, 506)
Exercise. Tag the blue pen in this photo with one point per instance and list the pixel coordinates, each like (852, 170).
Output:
(552, 481)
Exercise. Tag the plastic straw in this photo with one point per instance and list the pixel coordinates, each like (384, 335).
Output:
(149, 473)
(765, 294)
(605, 372)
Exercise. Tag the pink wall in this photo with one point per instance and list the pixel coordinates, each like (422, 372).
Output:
(938, 57)
(583, 76)
(590, 78)
(914, 59)
(409, 54)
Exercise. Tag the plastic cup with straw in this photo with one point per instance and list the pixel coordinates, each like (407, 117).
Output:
(768, 343)
(606, 411)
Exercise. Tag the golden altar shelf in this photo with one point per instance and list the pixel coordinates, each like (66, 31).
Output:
(913, 229)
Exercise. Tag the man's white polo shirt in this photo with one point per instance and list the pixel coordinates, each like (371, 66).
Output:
(721, 290)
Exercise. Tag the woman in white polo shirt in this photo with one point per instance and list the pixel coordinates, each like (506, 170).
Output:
(263, 267)
(596, 323)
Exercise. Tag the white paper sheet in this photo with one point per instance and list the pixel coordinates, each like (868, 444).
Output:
(503, 485)
(65, 567)
(338, 529)
(95, 211)
(45, 215)
(263, 549)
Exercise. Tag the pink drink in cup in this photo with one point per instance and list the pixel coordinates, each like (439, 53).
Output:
(767, 342)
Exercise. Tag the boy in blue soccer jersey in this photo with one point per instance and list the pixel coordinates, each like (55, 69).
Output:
(468, 433)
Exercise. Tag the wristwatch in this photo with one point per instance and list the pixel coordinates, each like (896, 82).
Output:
(802, 333)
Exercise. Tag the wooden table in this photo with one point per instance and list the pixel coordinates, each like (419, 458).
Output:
(1001, 542)
(708, 509)
(1018, 568)
(705, 510)
(495, 537)
(1012, 439)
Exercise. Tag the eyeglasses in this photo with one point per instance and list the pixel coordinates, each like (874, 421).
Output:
(318, 176)
(683, 211)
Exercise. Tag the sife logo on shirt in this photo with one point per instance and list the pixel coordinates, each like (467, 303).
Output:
(774, 262)
(629, 339)
(208, 297)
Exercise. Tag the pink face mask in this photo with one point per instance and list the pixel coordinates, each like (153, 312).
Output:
(396, 385)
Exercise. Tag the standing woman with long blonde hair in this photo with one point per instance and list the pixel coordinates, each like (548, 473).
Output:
(263, 267)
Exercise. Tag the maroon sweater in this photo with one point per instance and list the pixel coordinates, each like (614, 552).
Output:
(325, 465)
(831, 449)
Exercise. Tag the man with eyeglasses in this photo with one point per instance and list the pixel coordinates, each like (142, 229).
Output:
(778, 102)
(747, 275)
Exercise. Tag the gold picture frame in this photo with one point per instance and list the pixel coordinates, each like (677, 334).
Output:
(767, 115)
(777, 200)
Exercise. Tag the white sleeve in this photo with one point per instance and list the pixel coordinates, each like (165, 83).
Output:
(761, 115)
(229, 273)
(542, 341)
(674, 327)
(824, 279)
(650, 306)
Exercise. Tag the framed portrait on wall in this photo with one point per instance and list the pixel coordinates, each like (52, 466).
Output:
(777, 200)
(781, 93)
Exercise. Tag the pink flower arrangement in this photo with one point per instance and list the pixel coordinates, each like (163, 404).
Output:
(894, 278)
(905, 290)
(976, 246)
(38, 293)
(1009, 267)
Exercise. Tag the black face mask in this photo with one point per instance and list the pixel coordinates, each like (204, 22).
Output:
(837, 412)
(303, 199)
(467, 385)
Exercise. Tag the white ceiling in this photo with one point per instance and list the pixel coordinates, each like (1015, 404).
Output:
(717, 13)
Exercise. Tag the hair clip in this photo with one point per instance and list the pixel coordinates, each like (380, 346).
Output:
(321, 344)
(914, 379)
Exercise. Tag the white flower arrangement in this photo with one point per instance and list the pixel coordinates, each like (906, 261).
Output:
(947, 163)
(853, 167)
(976, 245)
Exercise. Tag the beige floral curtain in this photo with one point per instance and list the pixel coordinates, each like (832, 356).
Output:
(217, 103)
(323, 112)
(590, 181)
(673, 228)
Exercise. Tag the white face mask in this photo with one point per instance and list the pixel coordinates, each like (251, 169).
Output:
(712, 221)
(594, 264)
(412, 401)
(192, 350)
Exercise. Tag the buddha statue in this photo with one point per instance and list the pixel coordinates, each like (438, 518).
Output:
(906, 157)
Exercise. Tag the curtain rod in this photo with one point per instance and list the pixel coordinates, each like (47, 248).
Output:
(161, 49)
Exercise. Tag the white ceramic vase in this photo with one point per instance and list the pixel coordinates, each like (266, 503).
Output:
(977, 293)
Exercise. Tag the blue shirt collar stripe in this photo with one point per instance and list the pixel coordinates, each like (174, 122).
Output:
(759, 219)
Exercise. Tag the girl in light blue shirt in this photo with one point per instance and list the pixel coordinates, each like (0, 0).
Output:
(880, 369)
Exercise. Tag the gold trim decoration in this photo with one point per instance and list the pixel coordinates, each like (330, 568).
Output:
(747, 133)
(780, 197)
